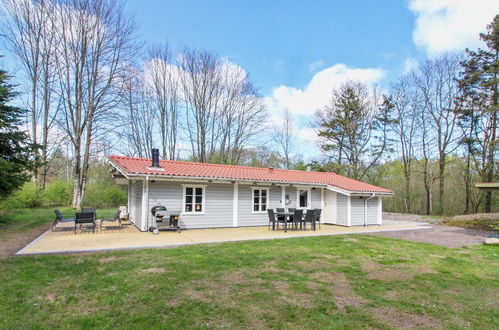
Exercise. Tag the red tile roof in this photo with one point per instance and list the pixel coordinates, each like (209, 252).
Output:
(142, 166)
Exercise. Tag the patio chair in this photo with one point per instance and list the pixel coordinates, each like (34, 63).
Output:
(116, 218)
(309, 217)
(318, 217)
(89, 210)
(280, 217)
(84, 218)
(59, 219)
(273, 219)
(297, 218)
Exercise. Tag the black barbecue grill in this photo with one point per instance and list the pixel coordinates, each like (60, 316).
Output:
(164, 219)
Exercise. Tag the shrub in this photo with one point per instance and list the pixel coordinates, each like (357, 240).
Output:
(58, 193)
(29, 195)
(101, 195)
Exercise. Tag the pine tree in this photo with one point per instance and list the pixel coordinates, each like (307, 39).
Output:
(16, 153)
(479, 106)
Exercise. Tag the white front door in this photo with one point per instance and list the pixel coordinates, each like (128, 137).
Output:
(329, 213)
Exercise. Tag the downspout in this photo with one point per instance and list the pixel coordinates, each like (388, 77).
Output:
(365, 208)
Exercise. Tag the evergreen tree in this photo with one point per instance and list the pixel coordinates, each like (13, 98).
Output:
(479, 107)
(16, 153)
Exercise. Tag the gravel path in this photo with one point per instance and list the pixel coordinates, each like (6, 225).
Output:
(452, 237)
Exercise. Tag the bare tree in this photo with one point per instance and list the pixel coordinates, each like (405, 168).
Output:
(165, 91)
(30, 30)
(405, 127)
(223, 110)
(284, 138)
(201, 90)
(95, 39)
(240, 114)
(436, 82)
(139, 115)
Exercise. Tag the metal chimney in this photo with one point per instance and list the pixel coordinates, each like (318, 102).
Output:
(155, 158)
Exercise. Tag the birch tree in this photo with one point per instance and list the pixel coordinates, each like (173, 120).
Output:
(95, 39)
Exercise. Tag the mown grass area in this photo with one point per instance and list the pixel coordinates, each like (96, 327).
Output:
(475, 224)
(21, 220)
(316, 282)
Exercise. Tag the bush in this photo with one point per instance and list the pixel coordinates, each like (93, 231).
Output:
(58, 193)
(28, 196)
(101, 195)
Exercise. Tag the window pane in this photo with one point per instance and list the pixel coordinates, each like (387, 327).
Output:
(188, 191)
(256, 200)
(264, 193)
(188, 199)
(303, 198)
(188, 207)
(199, 199)
(256, 193)
(199, 207)
(255, 207)
(264, 207)
(199, 191)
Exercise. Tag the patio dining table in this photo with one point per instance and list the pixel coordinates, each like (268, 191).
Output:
(286, 216)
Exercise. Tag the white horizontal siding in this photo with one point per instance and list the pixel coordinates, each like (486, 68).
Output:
(218, 204)
(245, 214)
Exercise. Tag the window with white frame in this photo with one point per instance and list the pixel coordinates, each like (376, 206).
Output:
(260, 199)
(303, 198)
(194, 199)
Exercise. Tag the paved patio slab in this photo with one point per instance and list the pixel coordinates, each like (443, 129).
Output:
(128, 237)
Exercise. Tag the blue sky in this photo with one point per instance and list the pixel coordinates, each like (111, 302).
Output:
(297, 51)
(285, 42)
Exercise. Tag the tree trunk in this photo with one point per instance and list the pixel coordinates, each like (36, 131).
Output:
(441, 181)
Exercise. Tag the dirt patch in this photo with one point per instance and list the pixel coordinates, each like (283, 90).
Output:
(400, 319)
(153, 270)
(391, 295)
(351, 239)
(398, 273)
(340, 286)
(195, 295)
(343, 294)
(105, 260)
(15, 242)
(370, 266)
(452, 237)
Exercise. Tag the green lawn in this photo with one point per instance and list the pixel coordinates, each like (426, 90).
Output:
(320, 282)
(21, 220)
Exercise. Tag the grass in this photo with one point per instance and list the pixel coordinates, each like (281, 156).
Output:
(22, 220)
(315, 282)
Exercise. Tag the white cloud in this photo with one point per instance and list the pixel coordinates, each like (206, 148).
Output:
(314, 66)
(409, 65)
(451, 25)
(317, 92)
(308, 134)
